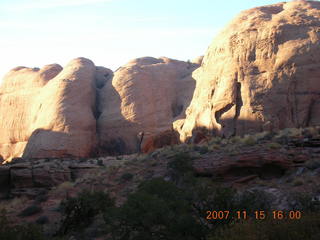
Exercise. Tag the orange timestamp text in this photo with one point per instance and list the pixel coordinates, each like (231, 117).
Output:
(258, 215)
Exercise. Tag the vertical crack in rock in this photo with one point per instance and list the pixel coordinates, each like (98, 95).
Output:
(212, 93)
(239, 104)
(96, 110)
(223, 110)
(291, 104)
(32, 175)
(309, 113)
(10, 185)
(176, 109)
(295, 104)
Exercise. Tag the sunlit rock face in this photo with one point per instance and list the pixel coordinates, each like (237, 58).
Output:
(83, 110)
(48, 112)
(146, 95)
(261, 72)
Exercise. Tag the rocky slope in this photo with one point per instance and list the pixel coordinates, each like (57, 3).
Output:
(279, 165)
(260, 73)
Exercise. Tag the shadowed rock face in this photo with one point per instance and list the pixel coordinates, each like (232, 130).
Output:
(146, 95)
(166, 138)
(53, 105)
(262, 69)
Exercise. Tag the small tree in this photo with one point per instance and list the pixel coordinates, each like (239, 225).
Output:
(78, 212)
(158, 210)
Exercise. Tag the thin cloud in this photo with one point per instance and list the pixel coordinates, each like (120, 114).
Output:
(48, 4)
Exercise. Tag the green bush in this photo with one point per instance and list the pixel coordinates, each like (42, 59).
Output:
(249, 140)
(126, 176)
(42, 220)
(31, 210)
(41, 198)
(203, 149)
(157, 210)
(78, 212)
(180, 166)
(313, 164)
(274, 145)
(253, 200)
(8, 231)
(304, 202)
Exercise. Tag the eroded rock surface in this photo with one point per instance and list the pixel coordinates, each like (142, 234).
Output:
(146, 95)
(262, 72)
(48, 112)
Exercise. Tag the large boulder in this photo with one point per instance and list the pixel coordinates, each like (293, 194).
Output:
(262, 72)
(166, 138)
(145, 96)
(48, 112)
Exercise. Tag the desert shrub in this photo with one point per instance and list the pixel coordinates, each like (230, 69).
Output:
(180, 168)
(253, 200)
(157, 210)
(208, 198)
(297, 182)
(42, 220)
(291, 132)
(8, 231)
(29, 211)
(126, 176)
(228, 199)
(248, 140)
(310, 132)
(181, 163)
(235, 139)
(214, 147)
(215, 140)
(313, 164)
(161, 210)
(63, 189)
(274, 145)
(284, 136)
(304, 202)
(269, 136)
(100, 163)
(41, 198)
(203, 149)
(219, 198)
(78, 212)
(264, 136)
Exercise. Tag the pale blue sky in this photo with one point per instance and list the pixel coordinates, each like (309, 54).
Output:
(109, 32)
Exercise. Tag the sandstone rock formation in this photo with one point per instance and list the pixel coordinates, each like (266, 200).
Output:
(54, 112)
(262, 72)
(27, 177)
(146, 95)
(48, 112)
(166, 138)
